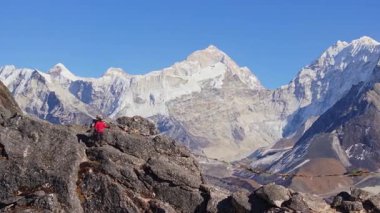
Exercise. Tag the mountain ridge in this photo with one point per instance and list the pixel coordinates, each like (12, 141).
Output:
(209, 84)
(218, 54)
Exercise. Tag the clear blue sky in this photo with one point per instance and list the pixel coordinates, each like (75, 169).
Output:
(274, 38)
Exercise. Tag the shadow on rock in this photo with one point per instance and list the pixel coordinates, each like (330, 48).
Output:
(87, 140)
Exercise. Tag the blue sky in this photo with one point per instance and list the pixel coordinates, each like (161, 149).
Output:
(274, 38)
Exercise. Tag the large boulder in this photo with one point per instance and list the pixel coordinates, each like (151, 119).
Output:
(297, 203)
(274, 194)
(374, 203)
(358, 200)
(39, 157)
(273, 198)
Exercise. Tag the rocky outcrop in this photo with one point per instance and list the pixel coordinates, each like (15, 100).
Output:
(137, 125)
(52, 168)
(358, 201)
(39, 163)
(8, 105)
(275, 198)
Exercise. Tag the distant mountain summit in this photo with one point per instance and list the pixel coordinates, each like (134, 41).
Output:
(60, 71)
(206, 101)
(114, 72)
(319, 85)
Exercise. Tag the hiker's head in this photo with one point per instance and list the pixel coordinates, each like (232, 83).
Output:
(99, 117)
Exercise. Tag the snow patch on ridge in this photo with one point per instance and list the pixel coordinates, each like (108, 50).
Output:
(299, 165)
(267, 157)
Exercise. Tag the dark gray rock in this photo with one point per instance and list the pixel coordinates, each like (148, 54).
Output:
(40, 157)
(348, 206)
(297, 203)
(337, 201)
(373, 203)
(167, 170)
(360, 195)
(133, 169)
(137, 125)
(345, 196)
(158, 206)
(47, 202)
(358, 201)
(256, 202)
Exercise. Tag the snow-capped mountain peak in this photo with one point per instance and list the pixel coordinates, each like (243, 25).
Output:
(113, 71)
(332, 52)
(340, 43)
(365, 40)
(341, 66)
(8, 67)
(346, 49)
(212, 57)
(59, 70)
(212, 48)
(207, 57)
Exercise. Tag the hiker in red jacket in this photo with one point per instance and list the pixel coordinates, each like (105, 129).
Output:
(99, 125)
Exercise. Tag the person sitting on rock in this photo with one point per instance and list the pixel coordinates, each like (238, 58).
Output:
(99, 126)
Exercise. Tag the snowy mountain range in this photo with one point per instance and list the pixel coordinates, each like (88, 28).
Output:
(206, 101)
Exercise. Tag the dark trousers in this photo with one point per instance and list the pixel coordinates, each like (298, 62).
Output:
(98, 138)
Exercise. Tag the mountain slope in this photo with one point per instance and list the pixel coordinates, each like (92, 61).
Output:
(345, 137)
(117, 93)
(318, 86)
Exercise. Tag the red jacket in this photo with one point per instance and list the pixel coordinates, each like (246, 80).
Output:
(100, 126)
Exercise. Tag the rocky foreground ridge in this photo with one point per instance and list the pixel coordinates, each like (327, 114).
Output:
(53, 168)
